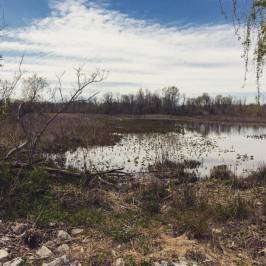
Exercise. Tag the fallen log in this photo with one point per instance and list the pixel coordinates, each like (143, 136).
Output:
(63, 172)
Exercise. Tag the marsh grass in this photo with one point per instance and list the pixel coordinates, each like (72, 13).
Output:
(221, 172)
(136, 217)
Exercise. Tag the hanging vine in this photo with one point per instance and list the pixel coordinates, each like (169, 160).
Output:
(250, 27)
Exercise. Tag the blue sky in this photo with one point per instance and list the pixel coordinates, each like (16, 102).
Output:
(21, 12)
(141, 43)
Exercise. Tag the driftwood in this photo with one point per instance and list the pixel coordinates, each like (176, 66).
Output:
(66, 173)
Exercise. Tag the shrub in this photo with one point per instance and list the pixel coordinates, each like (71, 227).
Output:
(32, 190)
(186, 199)
(221, 172)
(152, 197)
(122, 233)
(258, 177)
(23, 192)
(238, 209)
(195, 226)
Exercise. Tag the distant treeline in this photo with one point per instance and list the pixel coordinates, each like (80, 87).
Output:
(170, 102)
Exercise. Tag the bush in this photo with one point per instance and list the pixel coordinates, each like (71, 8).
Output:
(196, 226)
(186, 198)
(258, 177)
(238, 209)
(23, 192)
(123, 233)
(152, 197)
(32, 190)
(221, 172)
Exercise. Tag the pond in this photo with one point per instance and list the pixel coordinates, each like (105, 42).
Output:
(242, 148)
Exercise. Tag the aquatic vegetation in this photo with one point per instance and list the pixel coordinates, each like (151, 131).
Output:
(208, 144)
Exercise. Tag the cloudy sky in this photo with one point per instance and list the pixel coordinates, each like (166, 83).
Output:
(141, 43)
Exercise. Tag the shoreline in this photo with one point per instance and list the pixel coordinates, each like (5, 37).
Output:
(212, 119)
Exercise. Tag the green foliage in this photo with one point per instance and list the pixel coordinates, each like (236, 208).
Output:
(32, 190)
(196, 226)
(85, 216)
(24, 192)
(29, 195)
(122, 233)
(121, 227)
(152, 197)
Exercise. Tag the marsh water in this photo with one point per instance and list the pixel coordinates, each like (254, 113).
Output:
(242, 148)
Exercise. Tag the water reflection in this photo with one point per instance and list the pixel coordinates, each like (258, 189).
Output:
(211, 144)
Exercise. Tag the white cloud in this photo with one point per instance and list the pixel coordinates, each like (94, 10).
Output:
(136, 53)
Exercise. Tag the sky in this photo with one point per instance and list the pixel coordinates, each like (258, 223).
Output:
(149, 44)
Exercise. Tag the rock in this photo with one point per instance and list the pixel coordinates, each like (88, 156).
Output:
(120, 262)
(164, 263)
(63, 235)
(44, 252)
(58, 262)
(217, 231)
(5, 239)
(263, 251)
(52, 224)
(15, 262)
(75, 263)
(3, 254)
(50, 244)
(63, 248)
(259, 203)
(76, 231)
(19, 228)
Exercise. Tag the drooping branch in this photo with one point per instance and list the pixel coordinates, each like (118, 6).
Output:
(249, 18)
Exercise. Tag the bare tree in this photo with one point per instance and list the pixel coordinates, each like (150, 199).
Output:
(7, 89)
(33, 91)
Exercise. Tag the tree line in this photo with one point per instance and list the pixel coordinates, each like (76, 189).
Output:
(169, 101)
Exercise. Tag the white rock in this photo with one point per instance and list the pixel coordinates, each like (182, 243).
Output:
(3, 254)
(58, 262)
(52, 224)
(19, 228)
(5, 239)
(63, 235)
(120, 262)
(44, 252)
(217, 231)
(76, 231)
(63, 248)
(263, 251)
(75, 263)
(15, 262)
(50, 244)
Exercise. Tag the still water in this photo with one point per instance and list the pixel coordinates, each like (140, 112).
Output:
(242, 148)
